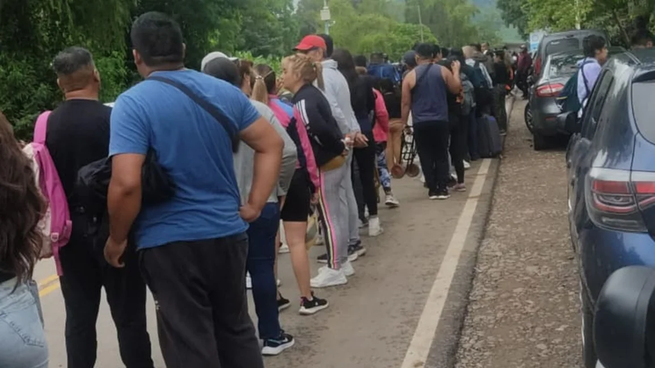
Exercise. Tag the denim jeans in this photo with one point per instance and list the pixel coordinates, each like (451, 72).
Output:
(23, 343)
(260, 264)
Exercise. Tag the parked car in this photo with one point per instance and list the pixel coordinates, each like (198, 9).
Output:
(561, 42)
(611, 179)
(542, 109)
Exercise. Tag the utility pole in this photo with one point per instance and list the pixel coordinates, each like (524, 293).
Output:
(420, 21)
(577, 14)
(325, 16)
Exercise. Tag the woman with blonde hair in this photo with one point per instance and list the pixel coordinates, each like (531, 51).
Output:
(304, 185)
(23, 341)
(312, 109)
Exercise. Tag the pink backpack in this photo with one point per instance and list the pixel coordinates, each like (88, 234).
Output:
(56, 224)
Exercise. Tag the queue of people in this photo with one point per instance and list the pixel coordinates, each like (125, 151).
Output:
(200, 169)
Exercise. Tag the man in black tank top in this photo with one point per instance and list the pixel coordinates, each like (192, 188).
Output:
(424, 93)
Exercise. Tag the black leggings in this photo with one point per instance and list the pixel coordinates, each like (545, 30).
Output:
(365, 159)
(456, 143)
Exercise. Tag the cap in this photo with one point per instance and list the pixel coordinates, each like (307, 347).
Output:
(410, 58)
(311, 42)
(214, 55)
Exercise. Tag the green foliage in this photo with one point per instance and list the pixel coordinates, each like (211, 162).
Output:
(272, 61)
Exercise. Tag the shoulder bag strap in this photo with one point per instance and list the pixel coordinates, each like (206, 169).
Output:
(214, 111)
(41, 127)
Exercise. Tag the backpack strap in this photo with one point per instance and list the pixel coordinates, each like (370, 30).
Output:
(210, 108)
(41, 127)
(584, 77)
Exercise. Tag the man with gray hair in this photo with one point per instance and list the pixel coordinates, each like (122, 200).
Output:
(78, 134)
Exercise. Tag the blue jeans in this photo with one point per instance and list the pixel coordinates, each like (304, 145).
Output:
(21, 327)
(260, 264)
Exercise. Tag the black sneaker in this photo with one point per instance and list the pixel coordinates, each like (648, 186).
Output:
(322, 258)
(433, 194)
(357, 248)
(283, 303)
(352, 254)
(442, 194)
(309, 307)
(277, 345)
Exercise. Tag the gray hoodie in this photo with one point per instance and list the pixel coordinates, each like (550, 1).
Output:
(338, 94)
(244, 160)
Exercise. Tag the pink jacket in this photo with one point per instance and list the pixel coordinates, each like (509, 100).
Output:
(305, 144)
(381, 128)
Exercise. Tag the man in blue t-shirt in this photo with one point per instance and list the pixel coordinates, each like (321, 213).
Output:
(193, 247)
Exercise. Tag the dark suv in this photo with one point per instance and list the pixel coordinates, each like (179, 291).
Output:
(611, 186)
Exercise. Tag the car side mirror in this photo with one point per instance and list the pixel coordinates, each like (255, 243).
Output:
(622, 316)
(568, 122)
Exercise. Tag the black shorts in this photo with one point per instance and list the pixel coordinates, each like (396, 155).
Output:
(299, 196)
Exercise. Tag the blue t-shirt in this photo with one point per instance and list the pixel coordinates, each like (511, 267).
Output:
(192, 147)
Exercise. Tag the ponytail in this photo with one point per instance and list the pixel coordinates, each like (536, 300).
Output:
(318, 67)
(259, 91)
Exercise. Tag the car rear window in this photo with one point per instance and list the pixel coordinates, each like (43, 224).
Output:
(562, 45)
(644, 108)
(563, 66)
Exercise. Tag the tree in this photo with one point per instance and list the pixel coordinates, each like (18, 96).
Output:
(515, 13)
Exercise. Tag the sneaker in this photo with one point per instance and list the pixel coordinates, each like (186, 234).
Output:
(309, 307)
(374, 228)
(460, 187)
(283, 303)
(248, 281)
(322, 258)
(358, 248)
(391, 201)
(283, 249)
(348, 269)
(352, 255)
(432, 194)
(277, 345)
(362, 223)
(466, 165)
(328, 277)
(442, 194)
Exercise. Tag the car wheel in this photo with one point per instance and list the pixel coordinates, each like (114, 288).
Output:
(588, 349)
(539, 142)
(527, 116)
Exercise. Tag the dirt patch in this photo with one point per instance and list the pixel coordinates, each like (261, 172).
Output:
(524, 308)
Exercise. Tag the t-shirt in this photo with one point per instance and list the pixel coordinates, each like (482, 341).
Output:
(192, 147)
(77, 134)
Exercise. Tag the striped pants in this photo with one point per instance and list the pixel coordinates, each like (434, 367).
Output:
(333, 213)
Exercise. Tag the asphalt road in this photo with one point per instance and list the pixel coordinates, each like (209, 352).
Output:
(409, 289)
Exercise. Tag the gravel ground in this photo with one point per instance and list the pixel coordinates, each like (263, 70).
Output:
(524, 306)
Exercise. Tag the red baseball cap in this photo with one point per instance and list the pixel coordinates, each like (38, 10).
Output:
(311, 42)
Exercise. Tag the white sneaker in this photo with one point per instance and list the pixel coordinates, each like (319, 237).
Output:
(366, 212)
(328, 277)
(466, 165)
(348, 269)
(284, 248)
(391, 201)
(374, 228)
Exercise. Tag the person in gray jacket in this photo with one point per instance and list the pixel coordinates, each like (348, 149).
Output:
(319, 48)
(263, 231)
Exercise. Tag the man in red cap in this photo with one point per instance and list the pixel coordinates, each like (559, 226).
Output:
(336, 89)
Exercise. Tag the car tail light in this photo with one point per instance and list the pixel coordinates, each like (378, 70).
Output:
(549, 90)
(615, 198)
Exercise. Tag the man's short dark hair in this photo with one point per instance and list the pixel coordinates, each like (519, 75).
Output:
(425, 50)
(641, 38)
(224, 69)
(72, 59)
(360, 60)
(329, 43)
(158, 39)
(445, 51)
(591, 44)
(436, 50)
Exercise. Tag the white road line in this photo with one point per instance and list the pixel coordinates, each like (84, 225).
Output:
(419, 347)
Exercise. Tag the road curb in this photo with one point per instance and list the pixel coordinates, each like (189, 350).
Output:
(443, 352)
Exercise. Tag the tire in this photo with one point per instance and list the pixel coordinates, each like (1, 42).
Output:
(588, 349)
(527, 116)
(539, 142)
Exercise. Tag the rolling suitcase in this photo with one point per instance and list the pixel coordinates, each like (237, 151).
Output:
(489, 137)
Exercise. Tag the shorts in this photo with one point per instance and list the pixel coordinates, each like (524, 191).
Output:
(296, 205)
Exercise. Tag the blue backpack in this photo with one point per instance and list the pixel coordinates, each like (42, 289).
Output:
(568, 99)
(385, 71)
